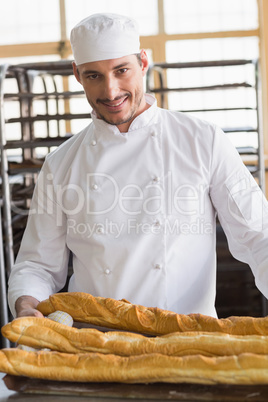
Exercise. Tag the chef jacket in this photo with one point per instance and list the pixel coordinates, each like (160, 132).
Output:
(137, 211)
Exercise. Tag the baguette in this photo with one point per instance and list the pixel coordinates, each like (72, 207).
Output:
(95, 367)
(121, 314)
(37, 332)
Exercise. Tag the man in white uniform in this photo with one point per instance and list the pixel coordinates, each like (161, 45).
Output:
(134, 196)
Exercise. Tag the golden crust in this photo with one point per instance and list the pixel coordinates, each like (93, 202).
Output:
(120, 314)
(41, 333)
(243, 369)
(182, 352)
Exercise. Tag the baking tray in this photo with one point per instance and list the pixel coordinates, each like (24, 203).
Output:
(158, 391)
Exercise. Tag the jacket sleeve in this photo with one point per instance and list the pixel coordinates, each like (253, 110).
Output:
(241, 207)
(41, 266)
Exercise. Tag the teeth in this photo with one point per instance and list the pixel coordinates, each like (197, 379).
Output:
(117, 104)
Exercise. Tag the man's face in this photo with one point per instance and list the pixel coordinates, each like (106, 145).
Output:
(114, 88)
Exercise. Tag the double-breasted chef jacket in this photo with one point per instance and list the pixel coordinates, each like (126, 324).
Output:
(137, 210)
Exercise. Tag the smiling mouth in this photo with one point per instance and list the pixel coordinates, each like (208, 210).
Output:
(115, 104)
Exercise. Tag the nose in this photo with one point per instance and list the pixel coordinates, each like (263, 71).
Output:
(111, 88)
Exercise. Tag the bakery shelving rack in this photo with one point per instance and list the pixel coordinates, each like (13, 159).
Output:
(40, 102)
(236, 290)
(252, 155)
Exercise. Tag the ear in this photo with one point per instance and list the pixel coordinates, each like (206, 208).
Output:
(145, 62)
(76, 73)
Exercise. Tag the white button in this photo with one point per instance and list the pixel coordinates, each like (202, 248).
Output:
(157, 224)
(154, 134)
(158, 266)
(100, 230)
(93, 143)
(95, 187)
(157, 179)
(107, 271)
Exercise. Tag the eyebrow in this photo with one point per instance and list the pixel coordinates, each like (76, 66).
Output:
(114, 68)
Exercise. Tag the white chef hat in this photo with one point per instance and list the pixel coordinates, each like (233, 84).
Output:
(104, 37)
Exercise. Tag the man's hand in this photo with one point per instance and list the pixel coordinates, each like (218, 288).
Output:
(26, 306)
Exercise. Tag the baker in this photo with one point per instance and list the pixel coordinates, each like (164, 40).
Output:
(133, 197)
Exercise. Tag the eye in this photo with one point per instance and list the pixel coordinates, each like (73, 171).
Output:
(93, 76)
(122, 70)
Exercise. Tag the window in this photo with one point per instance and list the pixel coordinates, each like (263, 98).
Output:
(209, 15)
(29, 21)
(145, 12)
(189, 24)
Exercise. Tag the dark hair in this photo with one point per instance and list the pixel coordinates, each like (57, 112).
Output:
(139, 58)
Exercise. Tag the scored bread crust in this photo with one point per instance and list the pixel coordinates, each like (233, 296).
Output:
(246, 368)
(41, 333)
(121, 314)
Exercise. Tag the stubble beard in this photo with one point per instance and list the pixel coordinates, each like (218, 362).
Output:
(127, 119)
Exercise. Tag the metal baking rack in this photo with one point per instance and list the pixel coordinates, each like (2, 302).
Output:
(36, 115)
(158, 73)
